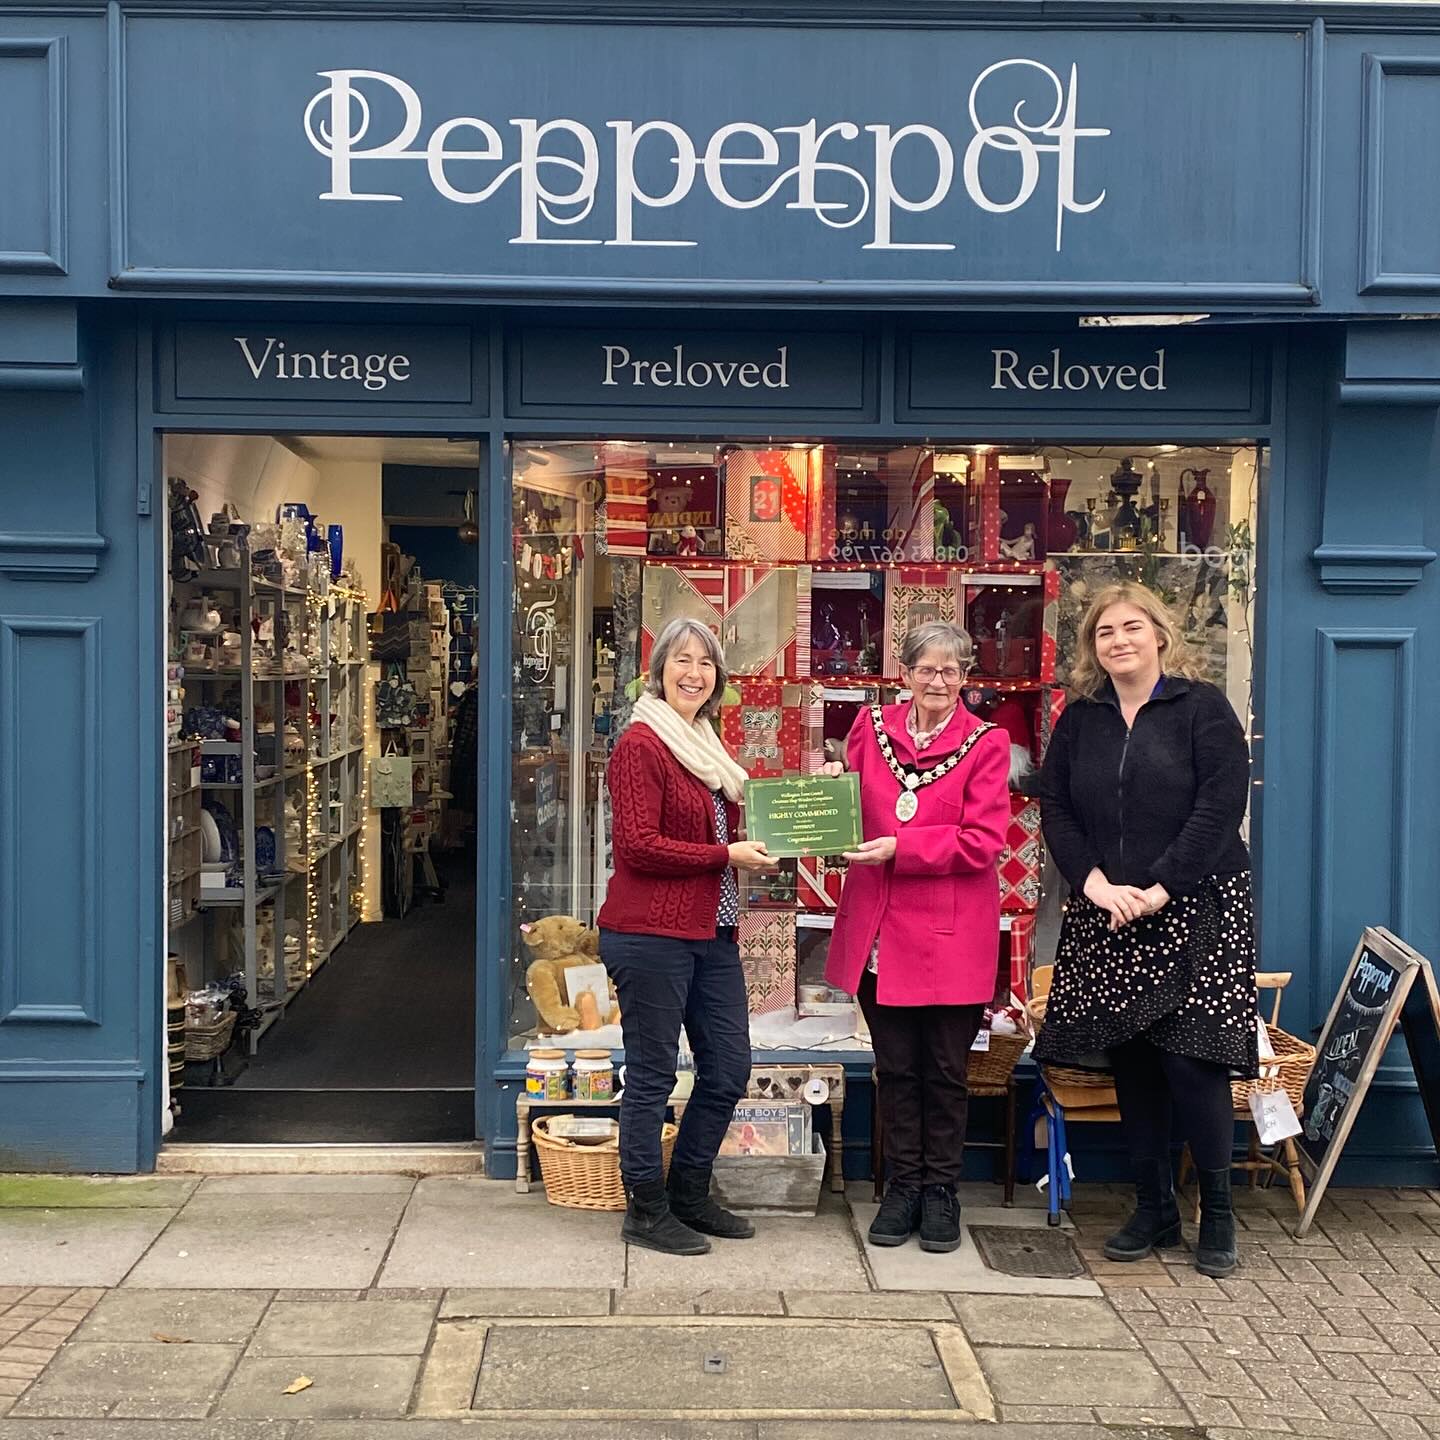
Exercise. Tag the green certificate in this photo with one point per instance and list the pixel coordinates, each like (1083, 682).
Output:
(804, 814)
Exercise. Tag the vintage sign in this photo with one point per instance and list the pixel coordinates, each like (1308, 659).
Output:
(389, 364)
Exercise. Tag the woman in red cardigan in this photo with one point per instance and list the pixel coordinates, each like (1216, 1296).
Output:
(668, 939)
(918, 927)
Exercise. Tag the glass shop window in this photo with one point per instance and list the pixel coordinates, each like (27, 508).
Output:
(810, 562)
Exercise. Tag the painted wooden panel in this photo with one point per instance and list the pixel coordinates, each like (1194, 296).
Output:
(50, 821)
(33, 174)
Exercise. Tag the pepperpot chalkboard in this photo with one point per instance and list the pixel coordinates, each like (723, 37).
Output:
(1386, 983)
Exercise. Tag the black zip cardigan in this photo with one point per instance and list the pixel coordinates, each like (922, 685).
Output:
(1159, 803)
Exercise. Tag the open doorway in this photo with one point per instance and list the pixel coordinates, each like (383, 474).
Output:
(322, 789)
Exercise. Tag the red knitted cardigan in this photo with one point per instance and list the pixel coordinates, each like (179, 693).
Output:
(667, 862)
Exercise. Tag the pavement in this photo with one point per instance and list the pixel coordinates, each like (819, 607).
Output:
(361, 1307)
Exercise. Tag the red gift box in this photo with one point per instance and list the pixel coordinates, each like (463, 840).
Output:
(1021, 859)
(914, 595)
(818, 882)
(764, 728)
(767, 957)
(1022, 953)
(766, 628)
(820, 532)
(694, 590)
(765, 504)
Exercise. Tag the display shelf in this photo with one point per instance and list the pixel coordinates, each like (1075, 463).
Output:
(210, 900)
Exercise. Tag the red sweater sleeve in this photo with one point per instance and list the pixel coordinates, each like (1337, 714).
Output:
(637, 790)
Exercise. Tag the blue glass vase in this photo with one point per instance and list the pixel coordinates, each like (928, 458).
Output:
(336, 536)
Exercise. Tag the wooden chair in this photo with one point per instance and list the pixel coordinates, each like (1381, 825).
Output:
(1282, 1159)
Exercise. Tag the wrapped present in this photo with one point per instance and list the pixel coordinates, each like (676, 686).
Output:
(765, 504)
(627, 486)
(812, 729)
(766, 627)
(984, 507)
(767, 957)
(915, 595)
(818, 882)
(764, 729)
(695, 591)
(820, 533)
(1021, 859)
(1022, 956)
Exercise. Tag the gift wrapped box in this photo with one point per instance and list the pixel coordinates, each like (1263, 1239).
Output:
(820, 533)
(767, 957)
(765, 504)
(818, 882)
(1022, 953)
(695, 591)
(766, 628)
(763, 730)
(627, 485)
(1021, 859)
(984, 509)
(915, 595)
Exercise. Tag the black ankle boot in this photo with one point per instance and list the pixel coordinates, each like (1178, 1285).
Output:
(1155, 1225)
(692, 1204)
(899, 1215)
(940, 1219)
(648, 1222)
(1215, 1249)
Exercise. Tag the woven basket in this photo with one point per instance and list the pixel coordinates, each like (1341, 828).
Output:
(587, 1176)
(1073, 1089)
(208, 1042)
(991, 1069)
(1288, 1071)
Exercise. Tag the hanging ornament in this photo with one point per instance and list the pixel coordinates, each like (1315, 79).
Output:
(469, 531)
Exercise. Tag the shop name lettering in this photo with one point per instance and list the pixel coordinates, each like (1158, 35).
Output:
(1056, 374)
(374, 372)
(698, 374)
(840, 178)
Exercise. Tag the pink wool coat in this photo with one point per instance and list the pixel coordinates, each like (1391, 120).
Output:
(936, 906)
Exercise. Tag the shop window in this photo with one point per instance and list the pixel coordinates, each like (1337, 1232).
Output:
(810, 562)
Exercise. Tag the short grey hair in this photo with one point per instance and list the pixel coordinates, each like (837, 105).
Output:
(937, 635)
(677, 632)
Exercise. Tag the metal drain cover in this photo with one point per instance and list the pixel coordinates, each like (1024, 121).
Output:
(1031, 1254)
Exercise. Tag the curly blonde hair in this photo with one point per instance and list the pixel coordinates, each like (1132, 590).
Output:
(1087, 676)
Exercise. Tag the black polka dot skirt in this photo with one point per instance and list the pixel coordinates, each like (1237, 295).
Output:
(1183, 978)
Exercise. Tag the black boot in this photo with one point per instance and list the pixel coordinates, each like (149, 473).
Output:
(692, 1204)
(1215, 1249)
(899, 1215)
(1156, 1221)
(648, 1222)
(940, 1219)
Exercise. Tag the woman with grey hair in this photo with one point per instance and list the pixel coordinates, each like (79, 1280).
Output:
(668, 939)
(918, 928)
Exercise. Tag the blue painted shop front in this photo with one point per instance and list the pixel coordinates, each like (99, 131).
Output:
(859, 236)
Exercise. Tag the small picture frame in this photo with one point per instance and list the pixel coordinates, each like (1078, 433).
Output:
(419, 745)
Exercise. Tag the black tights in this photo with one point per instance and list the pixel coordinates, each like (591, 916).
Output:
(1152, 1085)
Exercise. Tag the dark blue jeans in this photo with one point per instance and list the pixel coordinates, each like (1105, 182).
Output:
(662, 983)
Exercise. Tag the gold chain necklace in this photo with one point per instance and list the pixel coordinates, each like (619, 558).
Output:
(907, 805)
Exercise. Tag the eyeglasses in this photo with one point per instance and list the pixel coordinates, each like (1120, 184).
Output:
(926, 673)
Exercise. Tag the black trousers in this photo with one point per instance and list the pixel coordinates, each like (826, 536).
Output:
(661, 984)
(922, 1063)
(1155, 1087)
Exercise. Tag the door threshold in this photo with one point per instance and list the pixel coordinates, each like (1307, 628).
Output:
(180, 1158)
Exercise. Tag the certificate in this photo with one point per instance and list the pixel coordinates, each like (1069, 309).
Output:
(804, 814)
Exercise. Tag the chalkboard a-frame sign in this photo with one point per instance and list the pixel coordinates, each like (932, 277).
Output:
(1386, 983)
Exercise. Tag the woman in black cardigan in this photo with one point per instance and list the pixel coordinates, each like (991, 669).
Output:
(1143, 794)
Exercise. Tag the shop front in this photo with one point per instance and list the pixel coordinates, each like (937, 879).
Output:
(807, 331)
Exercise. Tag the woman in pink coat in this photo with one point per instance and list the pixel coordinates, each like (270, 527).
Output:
(917, 934)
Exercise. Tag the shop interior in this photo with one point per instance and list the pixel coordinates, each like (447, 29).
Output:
(810, 561)
(320, 703)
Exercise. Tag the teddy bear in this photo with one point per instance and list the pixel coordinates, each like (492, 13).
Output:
(559, 942)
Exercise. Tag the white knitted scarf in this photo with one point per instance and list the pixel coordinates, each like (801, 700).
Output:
(696, 746)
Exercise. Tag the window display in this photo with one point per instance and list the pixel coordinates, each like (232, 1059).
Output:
(811, 562)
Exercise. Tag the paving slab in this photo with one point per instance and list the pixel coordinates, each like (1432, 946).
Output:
(138, 1381)
(468, 1232)
(343, 1386)
(1058, 1323)
(512, 1429)
(302, 1240)
(212, 1429)
(308, 1185)
(92, 1192)
(1075, 1377)
(664, 1368)
(224, 1317)
(464, 1303)
(916, 1305)
(908, 1267)
(380, 1327)
(816, 1253)
(78, 1245)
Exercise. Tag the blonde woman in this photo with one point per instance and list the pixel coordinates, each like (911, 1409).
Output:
(1143, 793)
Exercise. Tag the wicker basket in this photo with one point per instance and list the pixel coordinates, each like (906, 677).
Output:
(1073, 1089)
(209, 1042)
(991, 1069)
(1288, 1071)
(587, 1176)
